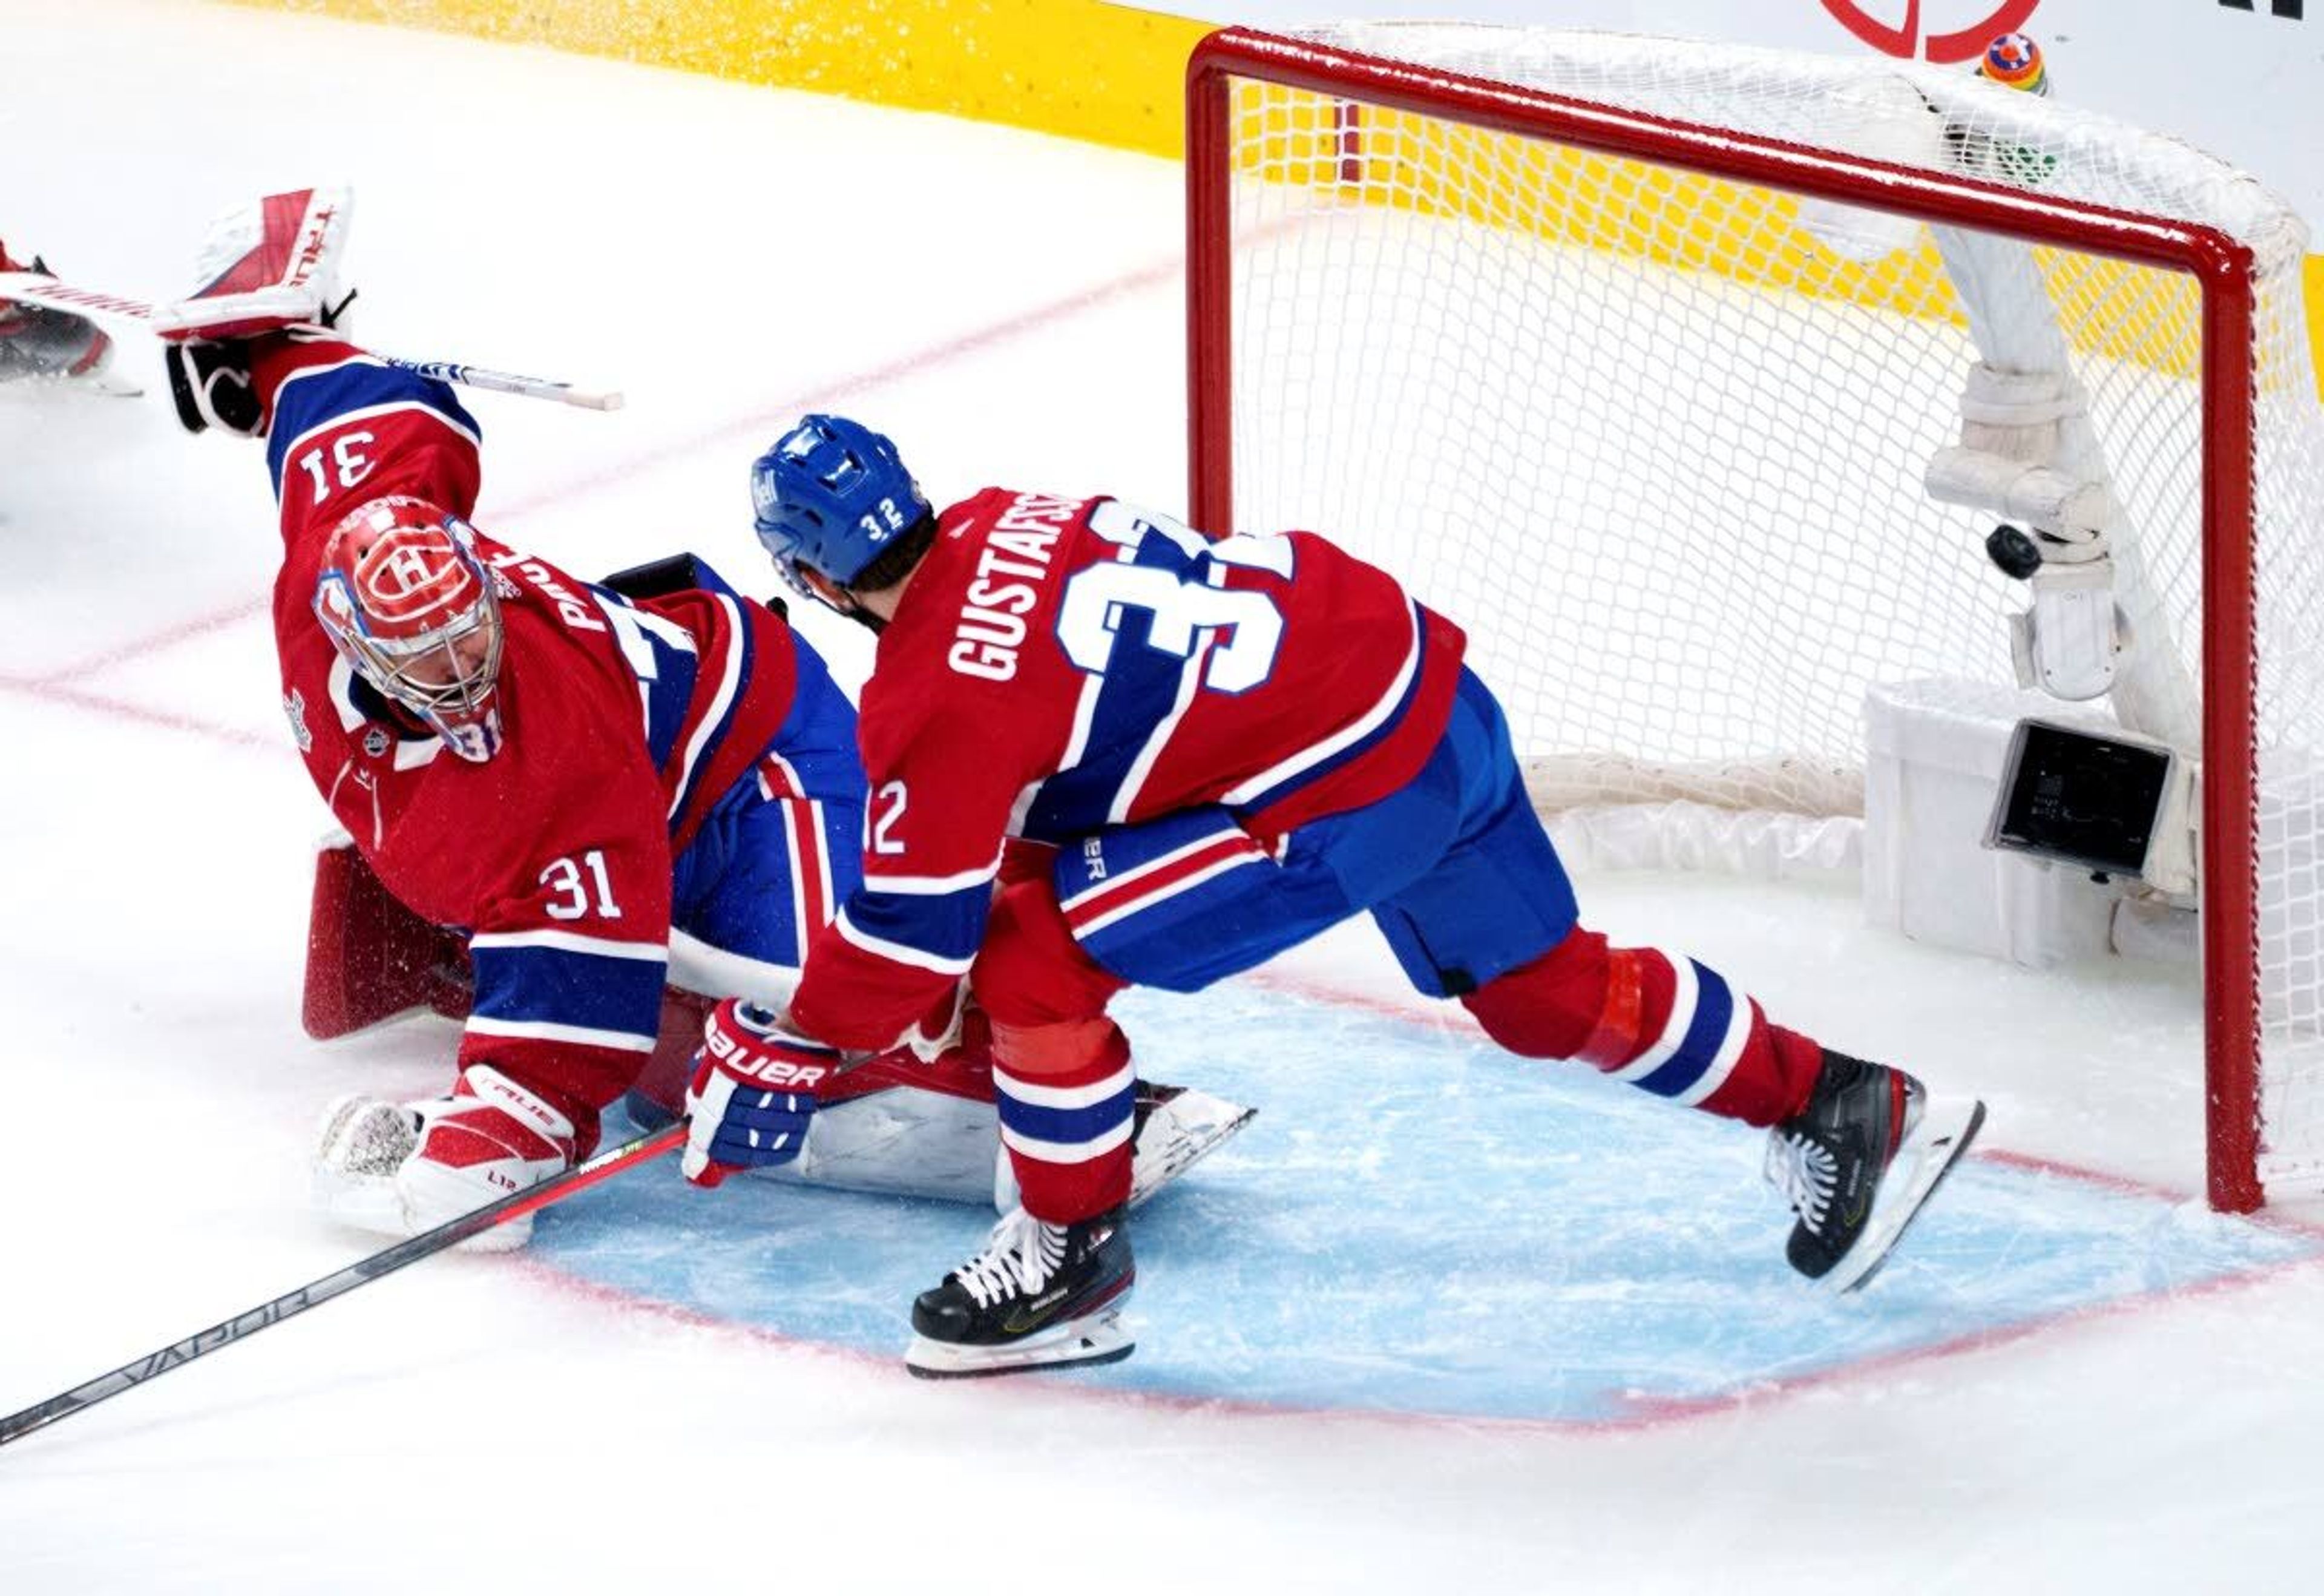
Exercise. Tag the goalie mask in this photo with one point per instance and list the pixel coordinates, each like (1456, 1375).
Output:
(405, 600)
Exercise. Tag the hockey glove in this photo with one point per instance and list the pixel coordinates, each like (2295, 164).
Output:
(270, 266)
(211, 386)
(212, 383)
(753, 1093)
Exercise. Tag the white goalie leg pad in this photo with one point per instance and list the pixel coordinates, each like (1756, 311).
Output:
(930, 1144)
(1181, 1128)
(364, 1141)
(402, 1170)
(1097, 1339)
(904, 1140)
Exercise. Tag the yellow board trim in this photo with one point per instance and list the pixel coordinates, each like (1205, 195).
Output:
(2312, 292)
(1104, 74)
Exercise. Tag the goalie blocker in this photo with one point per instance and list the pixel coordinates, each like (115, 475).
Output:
(892, 1124)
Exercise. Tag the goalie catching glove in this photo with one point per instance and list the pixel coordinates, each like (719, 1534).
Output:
(752, 1095)
(267, 268)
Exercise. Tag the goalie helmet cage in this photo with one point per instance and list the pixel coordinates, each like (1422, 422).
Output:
(1629, 354)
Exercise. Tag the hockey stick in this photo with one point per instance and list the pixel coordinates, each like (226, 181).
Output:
(33, 289)
(556, 1189)
(477, 376)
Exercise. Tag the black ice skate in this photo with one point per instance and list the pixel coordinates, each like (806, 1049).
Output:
(1039, 1296)
(1859, 1162)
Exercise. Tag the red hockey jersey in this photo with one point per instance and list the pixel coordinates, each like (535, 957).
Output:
(624, 724)
(1059, 666)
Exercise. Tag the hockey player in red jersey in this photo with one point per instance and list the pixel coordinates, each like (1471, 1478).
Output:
(605, 789)
(575, 778)
(571, 776)
(41, 341)
(1231, 745)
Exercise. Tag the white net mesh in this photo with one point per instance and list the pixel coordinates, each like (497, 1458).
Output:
(1657, 439)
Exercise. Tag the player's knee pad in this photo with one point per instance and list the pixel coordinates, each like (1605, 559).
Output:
(1030, 972)
(1550, 1007)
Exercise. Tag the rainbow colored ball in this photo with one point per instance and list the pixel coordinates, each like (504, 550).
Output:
(2015, 60)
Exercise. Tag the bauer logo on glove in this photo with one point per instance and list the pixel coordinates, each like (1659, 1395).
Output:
(748, 1055)
(752, 1097)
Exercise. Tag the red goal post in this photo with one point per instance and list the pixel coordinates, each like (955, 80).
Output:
(1308, 104)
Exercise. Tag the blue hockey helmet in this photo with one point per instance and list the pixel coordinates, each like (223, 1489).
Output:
(830, 497)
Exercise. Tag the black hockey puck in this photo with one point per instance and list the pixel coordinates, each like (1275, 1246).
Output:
(2016, 553)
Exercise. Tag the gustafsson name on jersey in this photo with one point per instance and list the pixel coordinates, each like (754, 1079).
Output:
(1014, 559)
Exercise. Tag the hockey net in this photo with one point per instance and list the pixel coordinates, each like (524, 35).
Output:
(1629, 354)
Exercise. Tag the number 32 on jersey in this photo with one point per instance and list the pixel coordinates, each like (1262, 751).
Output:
(1240, 628)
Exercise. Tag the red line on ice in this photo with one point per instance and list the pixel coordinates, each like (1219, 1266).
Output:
(168, 637)
(64, 693)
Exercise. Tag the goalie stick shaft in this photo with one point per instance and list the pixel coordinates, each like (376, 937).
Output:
(477, 376)
(33, 289)
(243, 1325)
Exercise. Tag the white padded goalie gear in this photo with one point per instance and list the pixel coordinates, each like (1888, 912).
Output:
(403, 1168)
(1176, 1128)
(265, 266)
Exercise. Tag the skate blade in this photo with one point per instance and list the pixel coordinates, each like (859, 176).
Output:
(1179, 1133)
(1929, 1154)
(1097, 1340)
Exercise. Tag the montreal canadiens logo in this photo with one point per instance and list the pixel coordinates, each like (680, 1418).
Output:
(1955, 32)
(410, 572)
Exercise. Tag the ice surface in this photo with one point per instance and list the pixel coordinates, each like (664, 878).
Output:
(1419, 1224)
(1438, 1321)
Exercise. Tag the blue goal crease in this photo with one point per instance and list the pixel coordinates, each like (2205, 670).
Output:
(1419, 1224)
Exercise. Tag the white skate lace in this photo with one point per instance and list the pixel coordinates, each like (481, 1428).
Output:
(1022, 1255)
(1805, 1172)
